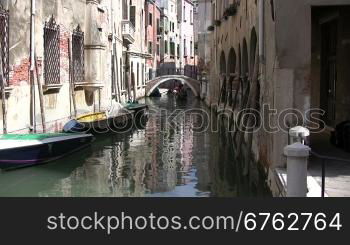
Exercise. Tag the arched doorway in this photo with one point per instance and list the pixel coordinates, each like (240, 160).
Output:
(223, 72)
(245, 73)
(231, 67)
(254, 68)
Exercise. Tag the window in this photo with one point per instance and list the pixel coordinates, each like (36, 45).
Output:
(133, 15)
(191, 16)
(125, 9)
(158, 27)
(4, 39)
(158, 49)
(51, 52)
(121, 74)
(191, 49)
(138, 74)
(143, 74)
(185, 48)
(172, 48)
(166, 47)
(150, 48)
(78, 73)
(132, 76)
(184, 13)
(150, 19)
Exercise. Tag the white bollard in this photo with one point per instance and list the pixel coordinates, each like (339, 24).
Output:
(297, 159)
(298, 134)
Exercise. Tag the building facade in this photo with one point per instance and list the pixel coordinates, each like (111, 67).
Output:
(62, 59)
(170, 38)
(203, 20)
(279, 59)
(153, 37)
(187, 40)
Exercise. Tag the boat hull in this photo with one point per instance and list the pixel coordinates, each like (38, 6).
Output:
(121, 122)
(43, 153)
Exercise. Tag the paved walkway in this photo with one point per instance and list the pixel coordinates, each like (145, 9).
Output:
(337, 172)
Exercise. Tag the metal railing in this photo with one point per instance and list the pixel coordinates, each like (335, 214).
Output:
(52, 52)
(78, 56)
(189, 72)
(324, 159)
(128, 28)
(4, 43)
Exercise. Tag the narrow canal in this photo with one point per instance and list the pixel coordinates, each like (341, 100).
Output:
(174, 154)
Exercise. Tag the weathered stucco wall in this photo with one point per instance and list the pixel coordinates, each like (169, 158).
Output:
(94, 19)
(286, 78)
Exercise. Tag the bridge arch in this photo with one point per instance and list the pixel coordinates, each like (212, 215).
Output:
(193, 84)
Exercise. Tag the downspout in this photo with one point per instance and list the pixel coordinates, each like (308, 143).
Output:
(261, 40)
(32, 64)
(114, 57)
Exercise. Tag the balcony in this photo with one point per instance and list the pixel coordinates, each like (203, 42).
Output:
(128, 31)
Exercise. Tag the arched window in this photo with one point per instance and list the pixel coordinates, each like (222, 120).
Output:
(231, 67)
(254, 66)
(222, 67)
(245, 60)
(223, 71)
(253, 49)
(231, 64)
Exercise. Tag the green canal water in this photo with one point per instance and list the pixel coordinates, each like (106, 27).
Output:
(174, 154)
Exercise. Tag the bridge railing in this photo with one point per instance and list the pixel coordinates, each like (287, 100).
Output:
(189, 72)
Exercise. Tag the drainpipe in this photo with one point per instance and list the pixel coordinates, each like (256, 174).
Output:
(114, 56)
(261, 37)
(32, 64)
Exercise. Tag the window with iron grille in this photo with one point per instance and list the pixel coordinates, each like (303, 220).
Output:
(4, 43)
(78, 56)
(51, 52)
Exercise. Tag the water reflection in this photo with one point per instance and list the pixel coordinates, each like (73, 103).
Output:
(166, 158)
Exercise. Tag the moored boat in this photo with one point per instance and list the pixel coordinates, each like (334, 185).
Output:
(100, 122)
(93, 121)
(138, 109)
(22, 150)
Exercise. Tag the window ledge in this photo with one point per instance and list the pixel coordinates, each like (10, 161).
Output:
(89, 86)
(48, 87)
(8, 91)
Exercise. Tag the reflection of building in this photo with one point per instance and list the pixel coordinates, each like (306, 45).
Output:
(186, 143)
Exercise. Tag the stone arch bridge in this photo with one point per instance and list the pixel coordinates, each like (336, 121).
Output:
(193, 84)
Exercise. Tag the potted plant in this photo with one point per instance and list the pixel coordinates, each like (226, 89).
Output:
(217, 22)
(225, 15)
(211, 28)
(231, 10)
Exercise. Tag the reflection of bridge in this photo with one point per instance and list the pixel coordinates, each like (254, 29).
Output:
(187, 78)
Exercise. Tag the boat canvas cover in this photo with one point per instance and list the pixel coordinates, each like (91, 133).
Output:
(10, 141)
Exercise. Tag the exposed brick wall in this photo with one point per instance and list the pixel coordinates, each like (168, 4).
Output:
(64, 53)
(19, 73)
